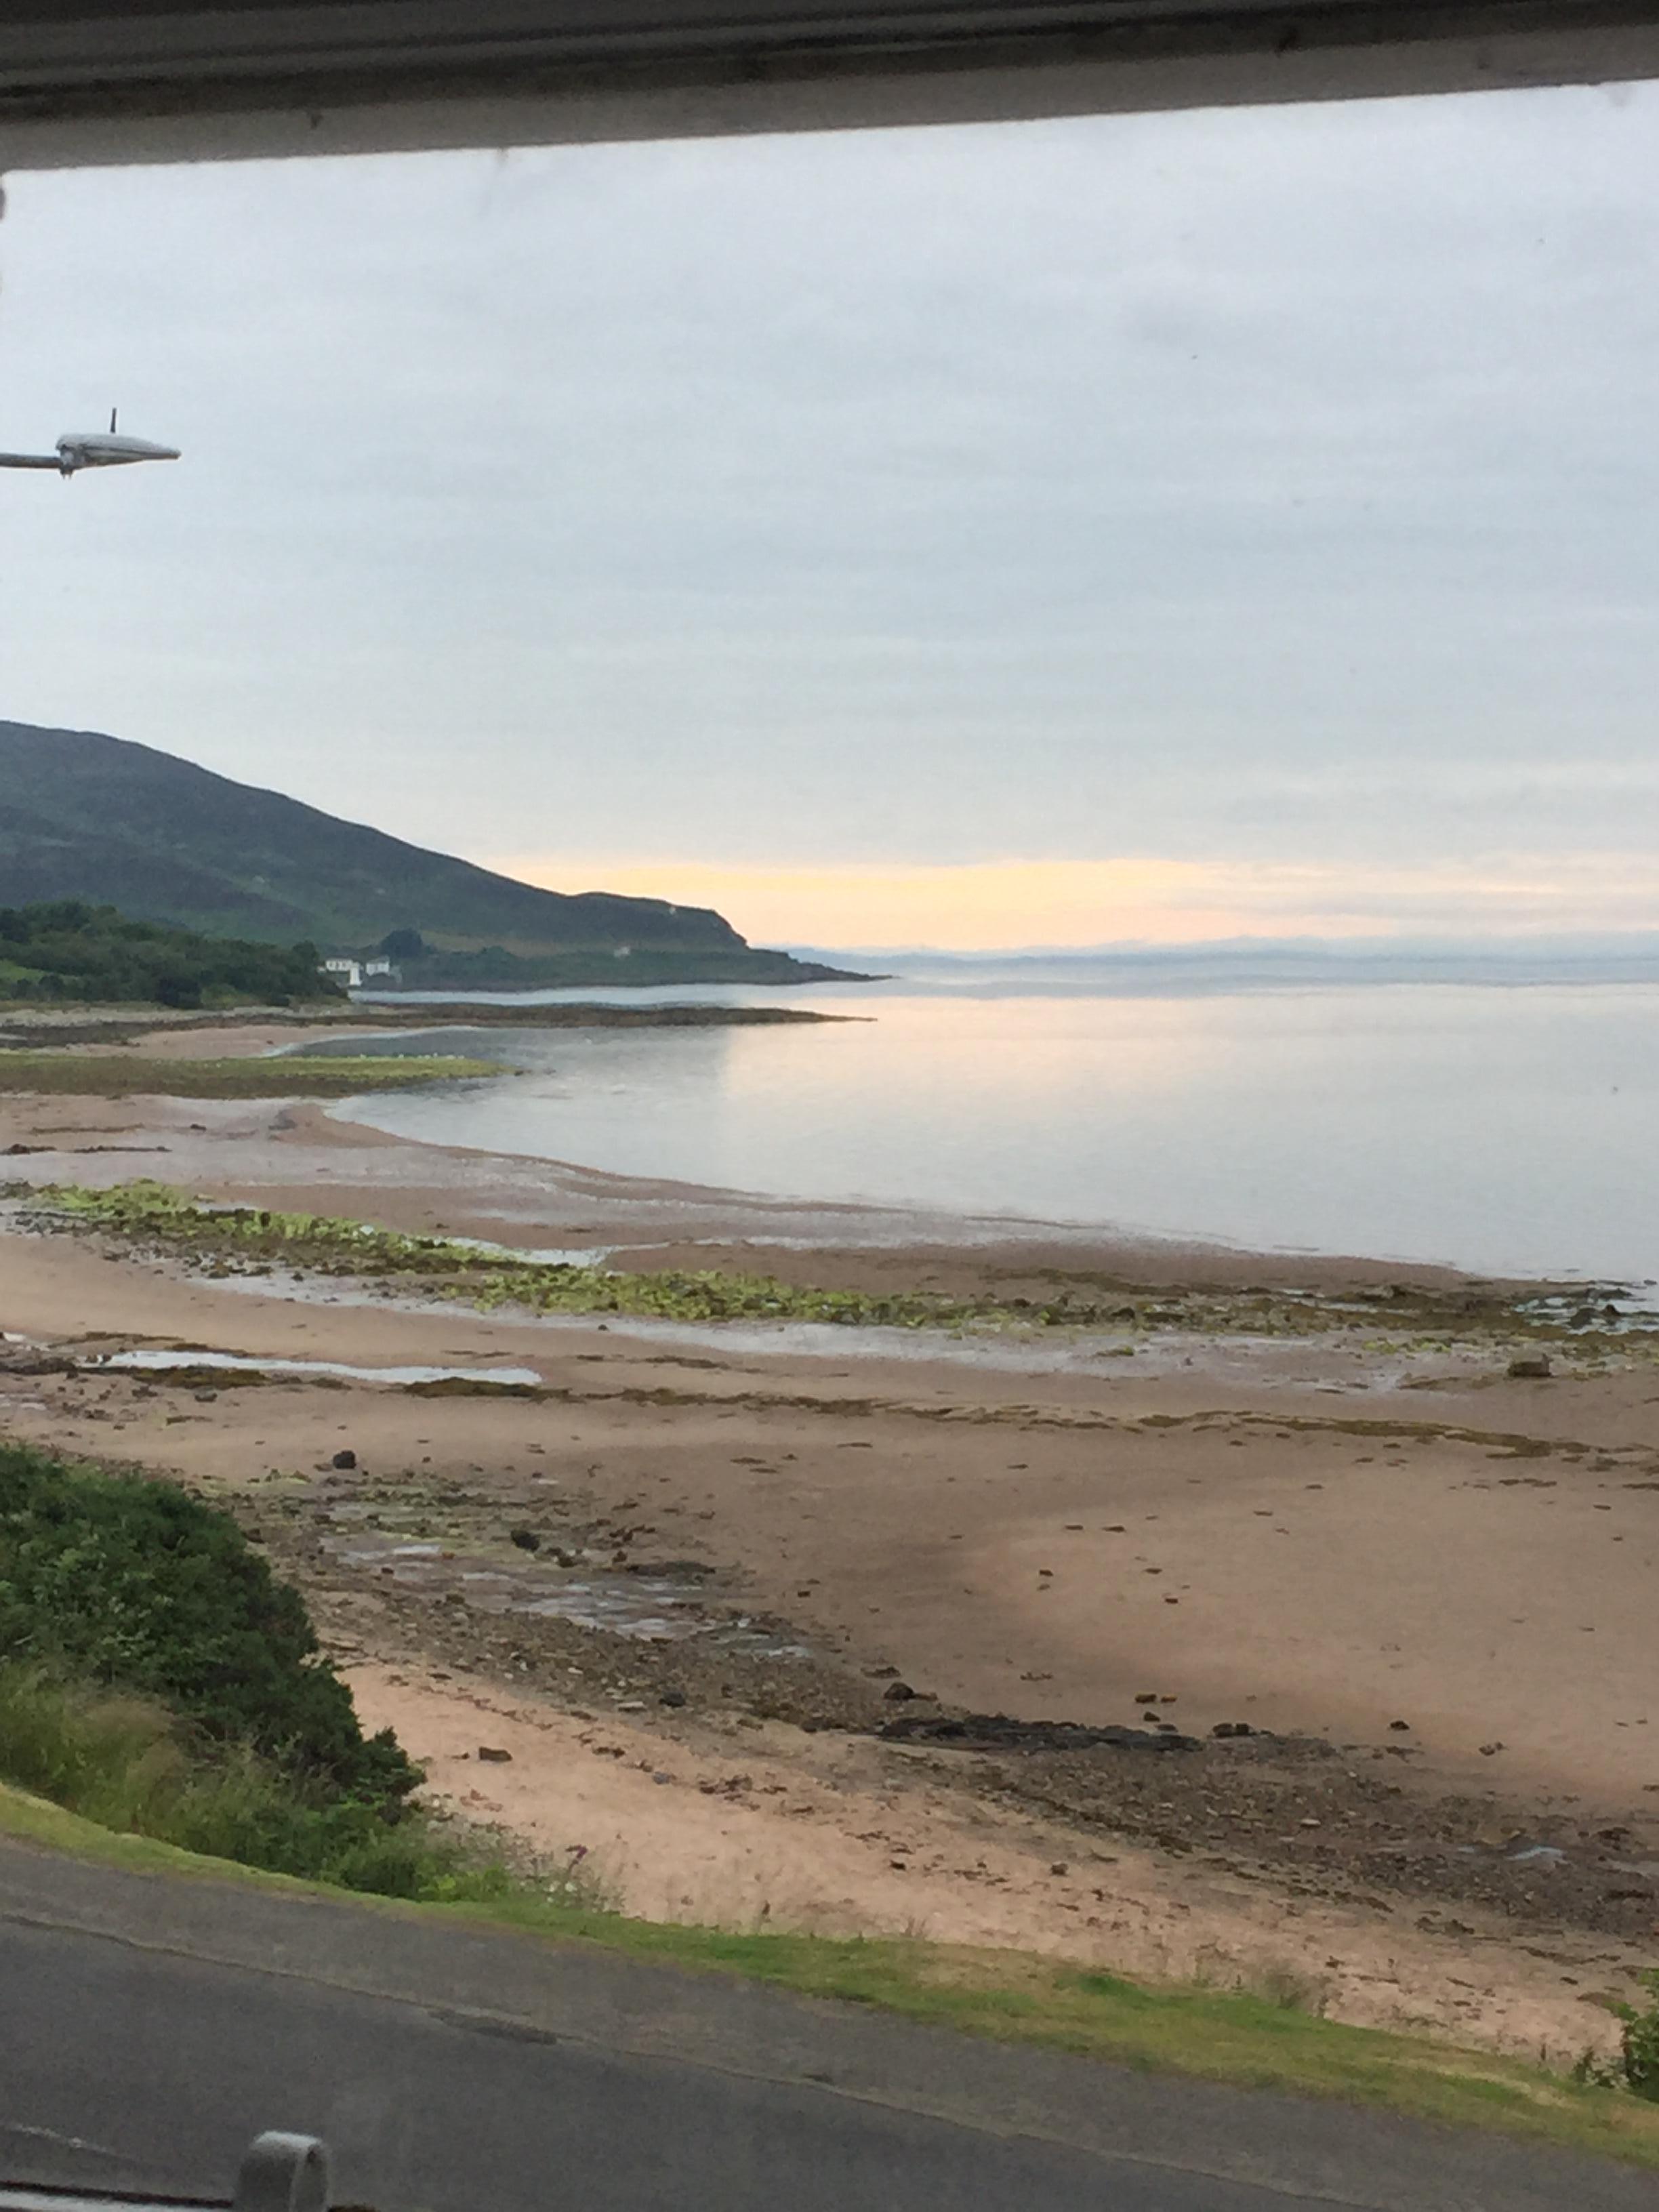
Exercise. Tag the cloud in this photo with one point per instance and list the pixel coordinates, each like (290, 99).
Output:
(1254, 491)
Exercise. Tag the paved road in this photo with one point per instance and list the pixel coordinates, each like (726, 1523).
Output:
(151, 2026)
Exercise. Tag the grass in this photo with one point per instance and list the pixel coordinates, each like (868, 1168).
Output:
(128, 1074)
(159, 1217)
(1250, 2041)
(132, 1767)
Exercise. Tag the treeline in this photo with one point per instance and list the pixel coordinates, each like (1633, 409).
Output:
(492, 968)
(68, 950)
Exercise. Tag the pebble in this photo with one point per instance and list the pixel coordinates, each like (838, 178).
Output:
(489, 1751)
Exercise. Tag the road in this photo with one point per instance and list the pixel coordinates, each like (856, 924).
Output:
(151, 2026)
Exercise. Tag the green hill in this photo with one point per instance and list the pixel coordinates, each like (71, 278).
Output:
(96, 818)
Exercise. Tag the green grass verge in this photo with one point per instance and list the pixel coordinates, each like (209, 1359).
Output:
(127, 1074)
(1234, 2038)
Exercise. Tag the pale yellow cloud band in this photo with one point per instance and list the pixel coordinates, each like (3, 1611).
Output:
(983, 905)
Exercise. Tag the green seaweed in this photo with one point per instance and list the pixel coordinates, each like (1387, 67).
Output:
(160, 1217)
(284, 1075)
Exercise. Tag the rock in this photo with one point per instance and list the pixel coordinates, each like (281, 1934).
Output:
(898, 1694)
(1400, 1727)
(673, 1699)
(344, 1459)
(1000, 1732)
(881, 1674)
(631, 1705)
(30, 1359)
(1232, 1728)
(1531, 1367)
(525, 1539)
(1487, 1750)
(1145, 1697)
(662, 1778)
(492, 1751)
(1059, 1866)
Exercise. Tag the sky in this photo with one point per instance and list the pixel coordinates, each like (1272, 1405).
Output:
(1133, 529)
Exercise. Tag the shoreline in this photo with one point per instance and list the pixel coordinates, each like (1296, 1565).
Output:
(527, 1200)
(1319, 1537)
(152, 1029)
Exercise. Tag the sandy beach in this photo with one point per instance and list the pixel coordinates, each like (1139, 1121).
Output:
(725, 1591)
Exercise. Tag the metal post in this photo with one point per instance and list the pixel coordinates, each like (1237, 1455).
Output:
(283, 2173)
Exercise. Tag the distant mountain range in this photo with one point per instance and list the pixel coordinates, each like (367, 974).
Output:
(88, 816)
(1225, 966)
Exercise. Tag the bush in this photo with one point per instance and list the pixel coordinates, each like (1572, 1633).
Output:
(136, 1585)
(1639, 2057)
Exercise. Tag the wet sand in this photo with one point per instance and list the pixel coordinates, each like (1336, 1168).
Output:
(1050, 1543)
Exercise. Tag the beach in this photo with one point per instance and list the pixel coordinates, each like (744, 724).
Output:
(741, 1599)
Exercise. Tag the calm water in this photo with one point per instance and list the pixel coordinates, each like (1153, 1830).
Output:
(1500, 1127)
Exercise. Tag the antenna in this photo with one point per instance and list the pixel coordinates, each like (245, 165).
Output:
(111, 422)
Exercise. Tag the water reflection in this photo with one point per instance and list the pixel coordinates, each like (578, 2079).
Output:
(1503, 1128)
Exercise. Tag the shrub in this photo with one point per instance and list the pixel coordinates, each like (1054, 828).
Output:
(137, 1585)
(130, 1765)
(1639, 2057)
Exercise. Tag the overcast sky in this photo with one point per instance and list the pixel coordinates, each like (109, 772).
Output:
(1256, 513)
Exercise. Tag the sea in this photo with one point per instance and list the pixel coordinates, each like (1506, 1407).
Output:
(1506, 1121)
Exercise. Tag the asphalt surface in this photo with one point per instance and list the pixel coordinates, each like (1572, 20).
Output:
(151, 2026)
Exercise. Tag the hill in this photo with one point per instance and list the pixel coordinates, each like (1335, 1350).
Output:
(97, 819)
